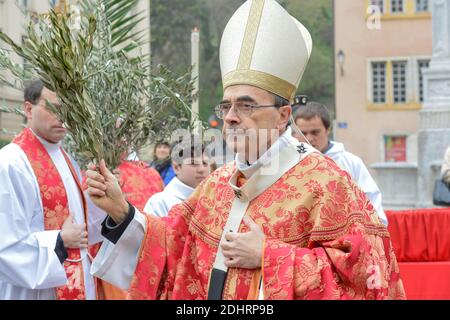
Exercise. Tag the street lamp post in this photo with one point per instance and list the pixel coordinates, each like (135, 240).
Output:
(341, 61)
(195, 59)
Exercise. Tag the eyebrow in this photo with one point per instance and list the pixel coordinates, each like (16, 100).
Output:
(310, 131)
(48, 102)
(241, 98)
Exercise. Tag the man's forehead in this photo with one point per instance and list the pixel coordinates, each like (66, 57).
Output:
(245, 92)
(198, 159)
(49, 95)
(310, 123)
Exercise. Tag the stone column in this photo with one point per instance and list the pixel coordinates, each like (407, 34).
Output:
(434, 132)
(144, 6)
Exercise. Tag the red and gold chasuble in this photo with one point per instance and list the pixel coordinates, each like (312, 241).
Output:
(56, 209)
(139, 182)
(323, 241)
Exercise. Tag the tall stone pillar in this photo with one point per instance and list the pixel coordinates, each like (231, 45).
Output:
(144, 6)
(434, 132)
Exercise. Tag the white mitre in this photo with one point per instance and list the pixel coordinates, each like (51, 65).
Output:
(265, 47)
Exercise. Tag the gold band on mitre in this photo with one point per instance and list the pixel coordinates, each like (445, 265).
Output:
(261, 80)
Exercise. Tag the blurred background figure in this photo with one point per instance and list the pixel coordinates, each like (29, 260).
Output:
(162, 162)
(191, 166)
(441, 193)
(138, 181)
(314, 122)
(446, 166)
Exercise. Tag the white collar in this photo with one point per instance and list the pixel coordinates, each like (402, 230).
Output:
(132, 156)
(286, 157)
(48, 145)
(282, 142)
(179, 189)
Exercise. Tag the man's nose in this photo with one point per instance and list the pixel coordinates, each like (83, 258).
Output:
(299, 137)
(310, 137)
(232, 116)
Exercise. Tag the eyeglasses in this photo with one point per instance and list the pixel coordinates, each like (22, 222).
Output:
(241, 108)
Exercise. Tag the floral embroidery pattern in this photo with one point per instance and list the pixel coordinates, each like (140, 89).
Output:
(324, 241)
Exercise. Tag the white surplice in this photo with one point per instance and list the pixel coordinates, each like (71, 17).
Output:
(174, 193)
(358, 171)
(29, 266)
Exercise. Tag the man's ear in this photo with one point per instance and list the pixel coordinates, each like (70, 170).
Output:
(176, 167)
(285, 114)
(27, 107)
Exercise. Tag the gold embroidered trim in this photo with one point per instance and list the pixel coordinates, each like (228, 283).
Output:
(317, 234)
(261, 80)
(331, 233)
(251, 33)
(187, 209)
(198, 229)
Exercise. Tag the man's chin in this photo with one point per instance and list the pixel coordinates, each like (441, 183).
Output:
(236, 147)
(57, 137)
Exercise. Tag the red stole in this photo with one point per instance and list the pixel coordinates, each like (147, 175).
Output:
(56, 208)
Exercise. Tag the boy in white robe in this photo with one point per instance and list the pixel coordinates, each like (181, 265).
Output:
(191, 165)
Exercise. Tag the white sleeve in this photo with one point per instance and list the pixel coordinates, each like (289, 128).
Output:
(370, 188)
(27, 253)
(375, 199)
(157, 206)
(95, 217)
(116, 263)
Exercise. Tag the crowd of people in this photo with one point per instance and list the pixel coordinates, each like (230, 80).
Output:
(294, 216)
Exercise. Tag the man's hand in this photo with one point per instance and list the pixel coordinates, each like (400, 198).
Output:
(118, 176)
(105, 192)
(244, 250)
(74, 235)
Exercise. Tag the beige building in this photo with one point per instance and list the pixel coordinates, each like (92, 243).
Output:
(12, 22)
(381, 46)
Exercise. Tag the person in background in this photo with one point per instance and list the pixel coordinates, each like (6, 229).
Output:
(314, 122)
(44, 239)
(162, 162)
(139, 182)
(446, 166)
(191, 166)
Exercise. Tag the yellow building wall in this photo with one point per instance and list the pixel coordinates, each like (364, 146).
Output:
(409, 36)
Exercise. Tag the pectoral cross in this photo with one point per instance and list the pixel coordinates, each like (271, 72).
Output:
(301, 149)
